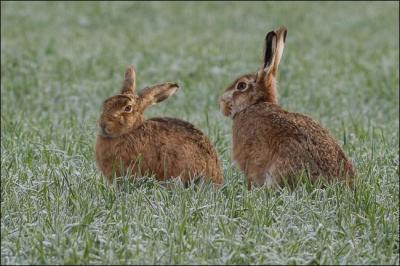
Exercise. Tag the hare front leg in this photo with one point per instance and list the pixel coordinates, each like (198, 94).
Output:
(260, 178)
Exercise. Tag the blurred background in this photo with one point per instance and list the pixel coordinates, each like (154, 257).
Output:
(61, 60)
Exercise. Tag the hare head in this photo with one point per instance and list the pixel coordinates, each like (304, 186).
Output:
(260, 86)
(125, 112)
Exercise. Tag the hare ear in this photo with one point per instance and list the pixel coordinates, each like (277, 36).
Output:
(269, 50)
(268, 56)
(272, 55)
(157, 93)
(129, 85)
(280, 45)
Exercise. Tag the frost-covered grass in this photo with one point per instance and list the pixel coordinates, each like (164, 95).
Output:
(59, 61)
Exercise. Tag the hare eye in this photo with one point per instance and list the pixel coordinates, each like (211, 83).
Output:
(241, 86)
(128, 108)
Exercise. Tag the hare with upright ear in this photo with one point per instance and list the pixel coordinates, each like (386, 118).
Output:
(273, 146)
(166, 147)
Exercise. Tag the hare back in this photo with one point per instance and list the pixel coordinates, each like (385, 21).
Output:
(166, 147)
(269, 141)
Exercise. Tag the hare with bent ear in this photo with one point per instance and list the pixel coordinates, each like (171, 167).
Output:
(166, 147)
(273, 146)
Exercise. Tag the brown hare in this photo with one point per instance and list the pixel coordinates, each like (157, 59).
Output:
(271, 145)
(166, 147)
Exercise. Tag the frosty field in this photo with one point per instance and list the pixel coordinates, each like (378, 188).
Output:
(60, 60)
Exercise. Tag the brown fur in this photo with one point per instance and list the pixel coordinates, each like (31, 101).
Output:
(165, 147)
(272, 145)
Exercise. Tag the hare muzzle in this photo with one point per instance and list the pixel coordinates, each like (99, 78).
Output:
(103, 130)
(225, 103)
(225, 108)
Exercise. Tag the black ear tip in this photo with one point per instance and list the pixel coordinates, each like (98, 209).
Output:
(270, 35)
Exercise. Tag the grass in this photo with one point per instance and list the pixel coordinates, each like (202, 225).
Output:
(59, 61)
